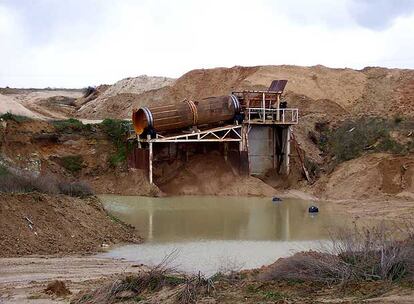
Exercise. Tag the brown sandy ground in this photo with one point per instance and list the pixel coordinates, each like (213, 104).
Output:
(45, 148)
(24, 279)
(209, 174)
(376, 186)
(236, 288)
(378, 91)
(34, 223)
(39, 103)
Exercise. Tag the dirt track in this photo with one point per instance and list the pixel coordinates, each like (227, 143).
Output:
(26, 277)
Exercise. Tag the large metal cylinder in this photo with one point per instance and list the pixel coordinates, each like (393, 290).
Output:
(188, 113)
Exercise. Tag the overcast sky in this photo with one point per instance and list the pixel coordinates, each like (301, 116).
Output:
(76, 43)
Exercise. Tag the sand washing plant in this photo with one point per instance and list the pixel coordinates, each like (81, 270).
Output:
(252, 129)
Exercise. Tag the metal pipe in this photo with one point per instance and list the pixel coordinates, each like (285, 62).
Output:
(188, 113)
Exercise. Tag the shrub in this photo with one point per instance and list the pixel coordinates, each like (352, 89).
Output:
(72, 163)
(117, 132)
(88, 91)
(398, 119)
(23, 183)
(77, 189)
(116, 129)
(27, 183)
(308, 266)
(70, 125)
(312, 167)
(363, 254)
(14, 117)
(374, 253)
(150, 280)
(354, 137)
(3, 170)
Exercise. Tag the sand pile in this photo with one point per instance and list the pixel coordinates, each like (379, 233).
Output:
(39, 104)
(209, 174)
(34, 223)
(9, 104)
(130, 87)
(370, 176)
(379, 91)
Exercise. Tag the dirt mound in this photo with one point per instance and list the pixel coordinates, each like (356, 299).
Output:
(211, 175)
(9, 105)
(133, 182)
(379, 91)
(35, 223)
(370, 176)
(102, 105)
(39, 104)
(57, 288)
(194, 84)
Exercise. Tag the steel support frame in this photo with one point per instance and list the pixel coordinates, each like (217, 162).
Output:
(210, 135)
(279, 116)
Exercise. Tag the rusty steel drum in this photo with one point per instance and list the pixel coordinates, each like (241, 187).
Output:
(211, 110)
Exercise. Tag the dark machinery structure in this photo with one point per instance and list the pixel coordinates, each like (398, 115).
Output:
(259, 121)
(208, 111)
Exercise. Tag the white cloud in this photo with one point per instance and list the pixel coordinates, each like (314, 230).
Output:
(128, 38)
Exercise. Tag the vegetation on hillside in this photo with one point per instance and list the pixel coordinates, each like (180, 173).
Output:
(71, 125)
(354, 137)
(21, 182)
(14, 117)
(117, 131)
(72, 163)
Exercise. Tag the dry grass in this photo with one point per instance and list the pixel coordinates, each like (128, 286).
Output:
(362, 254)
(182, 288)
(22, 182)
(77, 189)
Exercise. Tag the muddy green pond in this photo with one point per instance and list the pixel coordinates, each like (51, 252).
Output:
(220, 234)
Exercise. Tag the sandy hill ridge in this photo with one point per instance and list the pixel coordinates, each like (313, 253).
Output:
(113, 97)
(378, 91)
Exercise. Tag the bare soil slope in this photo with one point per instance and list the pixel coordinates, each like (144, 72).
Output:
(35, 223)
(336, 91)
(116, 96)
(368, 177)
(43, 147)
(211, 175)
(40, 104)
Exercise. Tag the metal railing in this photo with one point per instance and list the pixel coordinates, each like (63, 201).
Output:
(277, 116)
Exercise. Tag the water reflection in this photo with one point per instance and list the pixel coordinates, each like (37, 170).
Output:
(213, 234)
(221, 218)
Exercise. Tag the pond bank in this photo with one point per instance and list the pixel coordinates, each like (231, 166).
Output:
(36, 223)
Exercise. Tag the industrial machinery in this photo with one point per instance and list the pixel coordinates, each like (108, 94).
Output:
(252, 127)
(207, 111)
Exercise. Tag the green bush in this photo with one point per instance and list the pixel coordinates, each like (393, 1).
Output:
(13, 117)
(117, 131)
(70, 125)
(3, 170)
(119, 157)
(354, 137)
(72, 163)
